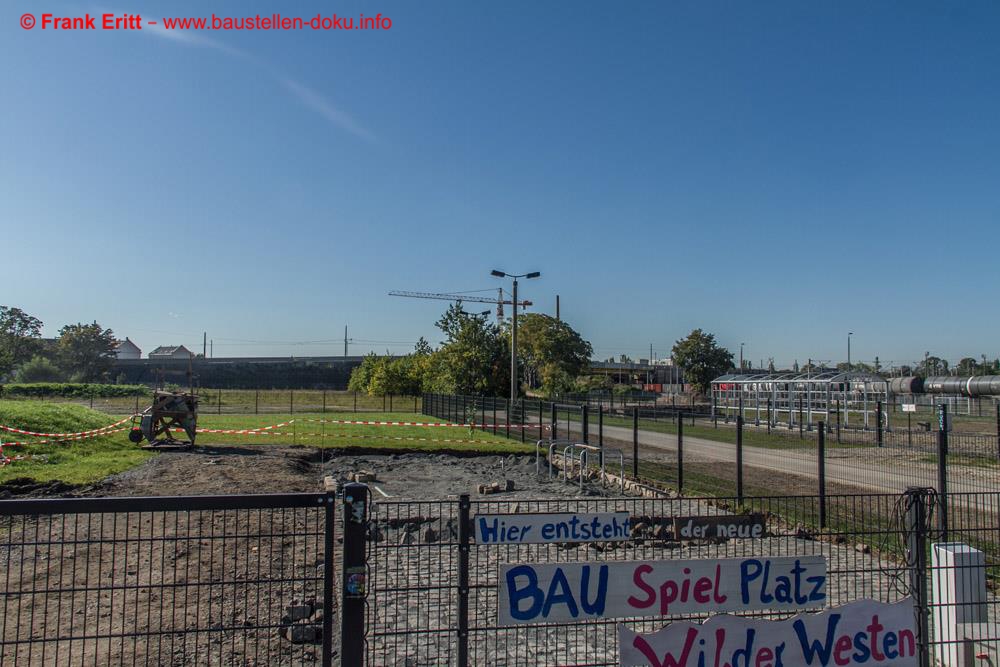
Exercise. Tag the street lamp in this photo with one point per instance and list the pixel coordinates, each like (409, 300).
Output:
(513, 328)
(741, 357)
(849, 334)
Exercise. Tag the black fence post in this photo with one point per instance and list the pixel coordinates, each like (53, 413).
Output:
(506, 412)
(329, 563)
(256, 401)
(494, 401)
(600, 431)
(916, 547)
(769, 416)
(353, 573)
(878, 423)
(521, 413)
(291, 401)
(555, 421)
(464, 540)
(219, 406)
(680, 454)
(998, 429)
(800, 419)
(541, 417)
(324, 403)
(390, 402)
(739, 459)
(585, 419)
(383, 402)
(942, 490)
(821, 460)
(355, 401)
(482, 413)
(635, 443)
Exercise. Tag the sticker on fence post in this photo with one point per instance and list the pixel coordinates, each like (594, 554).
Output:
(863, 632)
(549, 528)
(355, 581)
(559, 592)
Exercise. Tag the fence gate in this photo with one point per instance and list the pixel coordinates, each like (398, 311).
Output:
(218, 580)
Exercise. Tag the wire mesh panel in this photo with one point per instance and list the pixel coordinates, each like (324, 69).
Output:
(163, 581)
(413, 579)
(414, 597)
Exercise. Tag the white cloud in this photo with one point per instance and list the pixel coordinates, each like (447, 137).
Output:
(308, 97)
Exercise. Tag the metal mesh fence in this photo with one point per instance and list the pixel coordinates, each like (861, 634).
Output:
(163, 581)
(867, 542)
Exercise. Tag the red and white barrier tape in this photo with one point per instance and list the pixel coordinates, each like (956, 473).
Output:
(377, 423)
(98, 431)
(246, 431)
(54, 440)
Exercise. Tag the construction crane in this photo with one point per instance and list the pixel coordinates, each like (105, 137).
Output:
(499, 301)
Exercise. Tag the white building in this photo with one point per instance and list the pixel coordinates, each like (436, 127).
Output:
(127, 350)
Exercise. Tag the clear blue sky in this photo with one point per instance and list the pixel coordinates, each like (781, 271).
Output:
(777, 173)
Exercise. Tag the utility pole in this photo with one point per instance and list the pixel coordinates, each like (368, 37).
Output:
(741, 357)
(212, 348)
(204, 344)
(513, 330)
(557, 309)
(513, 350)
(345, 340)
(849, 334)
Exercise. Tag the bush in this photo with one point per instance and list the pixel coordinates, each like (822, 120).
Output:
(39, 369)
(72, 390)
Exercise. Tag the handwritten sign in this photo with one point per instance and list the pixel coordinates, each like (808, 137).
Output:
(545, 528)
(714, 527)
(864, 632)
(550, 592)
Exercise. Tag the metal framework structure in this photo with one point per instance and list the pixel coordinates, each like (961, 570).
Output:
(800, 397)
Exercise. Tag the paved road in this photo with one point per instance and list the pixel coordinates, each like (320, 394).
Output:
(882, 470)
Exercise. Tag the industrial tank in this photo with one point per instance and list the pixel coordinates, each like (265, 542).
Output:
(909, 385)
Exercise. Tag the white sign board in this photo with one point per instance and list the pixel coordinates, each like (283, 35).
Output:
(545, 528)
(551, 592)
(864, 632)
(909, 407)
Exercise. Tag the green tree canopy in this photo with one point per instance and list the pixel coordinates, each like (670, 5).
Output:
(86, 351)
(38, 369)
(702, 359)
(552, 353)
(19, 338)
(473, 358)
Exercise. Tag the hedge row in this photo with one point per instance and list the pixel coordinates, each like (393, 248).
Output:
(71, 390)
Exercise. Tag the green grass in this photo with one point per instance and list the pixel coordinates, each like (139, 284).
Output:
(75, 462)
(88, 461)
(307, 430)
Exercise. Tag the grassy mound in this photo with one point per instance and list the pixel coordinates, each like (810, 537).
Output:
(74, 462)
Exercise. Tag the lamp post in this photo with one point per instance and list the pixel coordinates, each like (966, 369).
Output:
(849, 334)
(513, 328)
(741, 357)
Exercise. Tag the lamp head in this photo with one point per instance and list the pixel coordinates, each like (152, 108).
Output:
(498, 274)
(533, 274)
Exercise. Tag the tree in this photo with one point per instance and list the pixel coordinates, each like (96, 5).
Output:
(19, 338)
(932, 366)
(361, 376)
(38, 369)
(702, 359)
(967, 366)
(473, 358)
(87, 351)
(551, 352)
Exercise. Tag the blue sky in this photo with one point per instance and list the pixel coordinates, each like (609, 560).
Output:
(776, 173)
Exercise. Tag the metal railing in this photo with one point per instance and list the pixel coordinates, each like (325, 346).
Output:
(214, 580)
